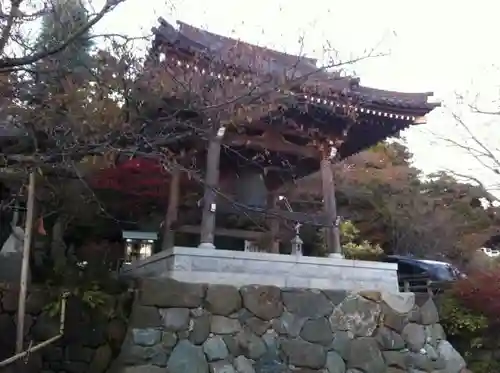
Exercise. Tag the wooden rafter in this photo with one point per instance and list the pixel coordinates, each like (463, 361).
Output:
(271, 141)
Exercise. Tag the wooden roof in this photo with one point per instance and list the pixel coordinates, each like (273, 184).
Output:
(262, 60)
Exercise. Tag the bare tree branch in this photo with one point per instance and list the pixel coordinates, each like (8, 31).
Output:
(14, 10)
(9, 64)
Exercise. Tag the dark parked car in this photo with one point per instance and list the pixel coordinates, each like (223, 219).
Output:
(417, 273)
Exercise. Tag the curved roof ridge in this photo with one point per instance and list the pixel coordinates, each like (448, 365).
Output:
(185, 28)
(269, 61)
(369, 90)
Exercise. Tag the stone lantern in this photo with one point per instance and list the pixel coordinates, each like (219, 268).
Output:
(297, 242)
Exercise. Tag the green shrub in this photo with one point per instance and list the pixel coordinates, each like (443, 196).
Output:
(101, 294)
(363, 251)
(353, 247)
(467, 317)
(459, 320)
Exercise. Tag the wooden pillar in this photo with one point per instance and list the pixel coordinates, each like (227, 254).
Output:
(332, 232)
(274, 224)
(209, 196)
(172, 209)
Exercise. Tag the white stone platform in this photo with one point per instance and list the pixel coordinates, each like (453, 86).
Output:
(195, 265)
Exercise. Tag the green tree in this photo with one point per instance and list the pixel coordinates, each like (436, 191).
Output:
(393, 206)
(75, 60)
(390, 204)
(18, 16)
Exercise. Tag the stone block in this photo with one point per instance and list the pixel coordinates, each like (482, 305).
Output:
(389, 339)
(101, 359)
(10, 267)
(317, 331)
(166, 293)
(143, 369)
(180, 263)
(414, 336)
(297, 282)
(429, 313)
(252, 346)
(366, 356)
(243, 365)
(221, 367)
(187, 357)
(335, 296)
(224, 325)
(396, 359)
(223, 299)
(215, 348)
(146, 336)
(256, 325)
(263, 301)
(453, 360)
(45, 327)
(175, 319)
(79, 353)
(393, 319)
(144, 316)
(168, 340)
(243, 268)
(341, 344)
(356, 315)
(289, 324)
(10, 300)
(307, 303)
(401, 303)
(230, 326)
(36, 301)
(304, 354)
(335, 363)
(115, 332)
(200, 329)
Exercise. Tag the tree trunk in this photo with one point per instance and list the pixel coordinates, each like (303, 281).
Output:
(57, 245)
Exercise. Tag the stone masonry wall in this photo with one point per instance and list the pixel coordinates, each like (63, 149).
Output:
(89, 344)
(193, 328)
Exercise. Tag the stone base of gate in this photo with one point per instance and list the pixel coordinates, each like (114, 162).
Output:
(201, 265)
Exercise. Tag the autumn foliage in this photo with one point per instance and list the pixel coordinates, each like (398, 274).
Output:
(480, 292)
(394, 206)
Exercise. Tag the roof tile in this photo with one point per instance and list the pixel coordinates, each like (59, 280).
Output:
(261, 60)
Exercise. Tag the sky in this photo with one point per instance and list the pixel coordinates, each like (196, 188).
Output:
(440, 46)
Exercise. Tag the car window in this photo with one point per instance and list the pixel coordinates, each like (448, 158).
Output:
(390, 260)
(410, 269)
(443, 272)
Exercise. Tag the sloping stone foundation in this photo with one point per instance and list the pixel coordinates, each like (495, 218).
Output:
(194, 328)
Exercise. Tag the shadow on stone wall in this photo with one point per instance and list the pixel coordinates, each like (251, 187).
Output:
(90, 343)
(194, 328)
